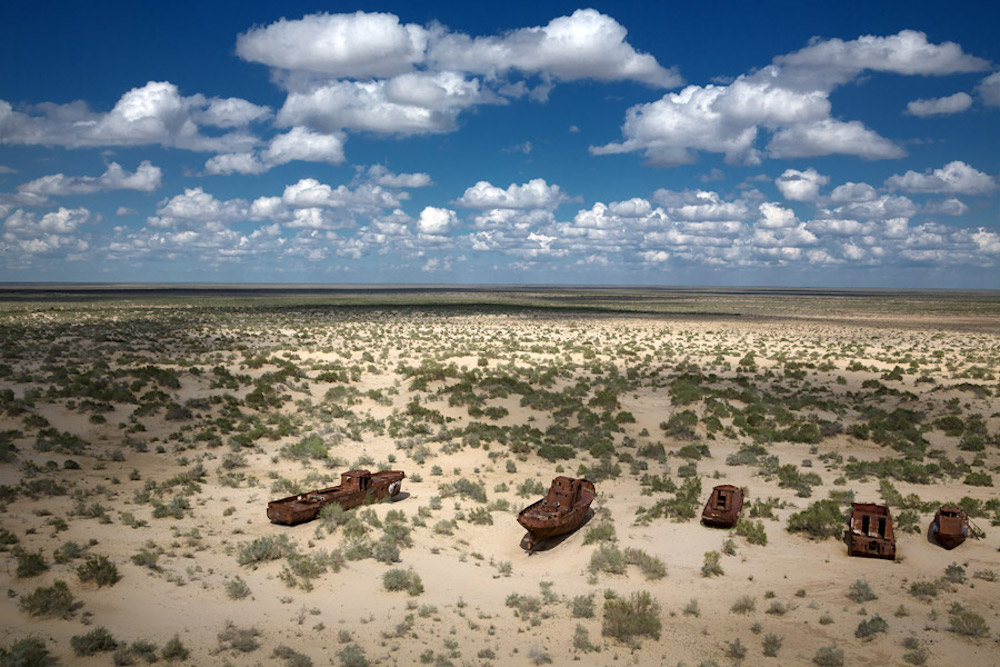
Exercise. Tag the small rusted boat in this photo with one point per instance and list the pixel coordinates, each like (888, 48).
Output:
(561, 511)
(723, 506)
(869, 531)
(356, 487)
(950, 526)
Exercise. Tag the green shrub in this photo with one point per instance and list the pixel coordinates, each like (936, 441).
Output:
(96, 641)
(608, 558)
(821, 520)
(100, 570)
(237, 589)
(712, 566)
(30, 564)
(292, 657)
(27, 652)
(829, 656)
(524, 604)
(771, 644)
(868, 628)
(600, 531)
(352, 655)
(243, 640)
(582, 606)
(624, 620)
(266, 548)
(753, 531)
(860, 591)
(54, 601)
(403, 580)
(735, 650)
(174, 650)
(744, 604)
(967, 623)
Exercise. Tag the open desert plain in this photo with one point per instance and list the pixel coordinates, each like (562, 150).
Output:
(143, 432)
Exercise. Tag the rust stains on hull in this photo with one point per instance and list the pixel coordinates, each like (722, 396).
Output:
(561, 511)
(723, 506)
(356, 487)
(869, 532)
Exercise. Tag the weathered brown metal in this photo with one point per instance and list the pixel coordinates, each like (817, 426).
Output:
(356, 487)
(723, 506)
(869, 531)
(561, 511)
(950, 526)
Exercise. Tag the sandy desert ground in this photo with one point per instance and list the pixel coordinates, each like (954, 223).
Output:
(141, 437)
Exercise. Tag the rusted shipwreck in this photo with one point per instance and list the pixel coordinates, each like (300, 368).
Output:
(869, 531)
(950, 526)
(356, 487)
(723, 506)
(561, 511)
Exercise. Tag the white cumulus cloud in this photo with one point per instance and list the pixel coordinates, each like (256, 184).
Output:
(534, 194)
(940, 106)
(955, 177)
(146, 178)
(436, 221)
(798, 185)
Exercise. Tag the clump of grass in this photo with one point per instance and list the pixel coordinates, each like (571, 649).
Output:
(916, 653)
(239, 639)
(96, 641)
(860, 591)
(581, 640)
(54, 601)
(821, 520)
(397, 579)
(582, 606)
(955, 574)
(753, 531)
(600, 531)
(771, 645)
(27, 652)
(174, 649)
(735, 650)
(712, 566)
(637, 616)
(868, 628)
(523, 604)
(924, 590)
(829, 656)
(266, 548)
(744, 604)
(692, 608)
(30, 564)
(352, 655)
(967, 623)
(292, 657)
(100, 570)
(237, 589)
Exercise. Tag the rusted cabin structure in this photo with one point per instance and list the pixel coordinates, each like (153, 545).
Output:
(356, 487)
(561, 511)
(950, 526)
(869, 531)
(723, 506)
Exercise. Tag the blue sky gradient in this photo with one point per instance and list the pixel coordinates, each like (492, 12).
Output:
(787, 144)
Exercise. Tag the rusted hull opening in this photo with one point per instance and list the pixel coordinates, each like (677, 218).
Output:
(869, 532)
(722, 510)
(357, 487)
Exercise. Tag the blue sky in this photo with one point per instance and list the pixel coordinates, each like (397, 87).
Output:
(788, 144)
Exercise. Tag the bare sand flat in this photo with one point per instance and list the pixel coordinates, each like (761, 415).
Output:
(152, 431)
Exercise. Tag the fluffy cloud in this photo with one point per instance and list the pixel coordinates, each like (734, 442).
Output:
(379, 175)
(299, 143)
(146, 178)
(436, 221)
(700, 205)
(853, 192)
(940, 106)
(798, 185)
(155, 113)
(955, 177)
(533, 194)
(789, 99)
(989, 89)
(359, 45)
(195, 208)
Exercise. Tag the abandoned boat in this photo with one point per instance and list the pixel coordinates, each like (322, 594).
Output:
(723, 506)
(356, 487)
(869, 531)
(950, 526)
(561, 511)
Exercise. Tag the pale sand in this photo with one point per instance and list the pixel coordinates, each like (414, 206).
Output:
(459, 572)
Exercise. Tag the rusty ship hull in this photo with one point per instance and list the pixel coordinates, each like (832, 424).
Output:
(561, 511)
(723, 507)
(950, 526)
(869, 532)
(356, 488)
